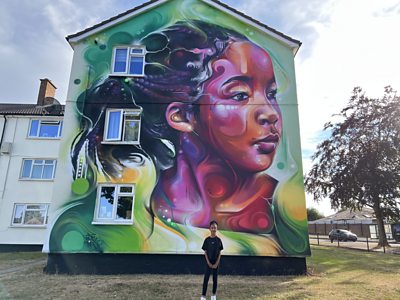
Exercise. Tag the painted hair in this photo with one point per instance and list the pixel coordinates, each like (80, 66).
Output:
(178, 62)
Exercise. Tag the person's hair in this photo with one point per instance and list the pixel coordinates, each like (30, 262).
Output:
(178, 62)
(213, 222)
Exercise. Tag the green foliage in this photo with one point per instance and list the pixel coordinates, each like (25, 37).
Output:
(313, 214)
(359, 164)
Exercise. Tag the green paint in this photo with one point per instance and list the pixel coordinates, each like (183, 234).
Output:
(80, 186)
(73, 230)
(72, 241)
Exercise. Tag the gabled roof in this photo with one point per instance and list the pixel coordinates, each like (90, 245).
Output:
(31, 109)
(357, 216)
(74, 38)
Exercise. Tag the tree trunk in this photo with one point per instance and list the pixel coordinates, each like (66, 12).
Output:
(381, 228)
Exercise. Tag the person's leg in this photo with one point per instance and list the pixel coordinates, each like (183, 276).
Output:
(215, 280)
(205, 280)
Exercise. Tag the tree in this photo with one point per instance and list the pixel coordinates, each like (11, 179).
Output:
(359, 164)
(313, 214)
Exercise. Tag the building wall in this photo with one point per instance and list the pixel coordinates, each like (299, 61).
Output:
(14, 190)
(190, 166)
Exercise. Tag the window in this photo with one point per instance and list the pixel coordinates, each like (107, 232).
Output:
(128, 61)
(30, 215)
(45, 129)
(122, 126)
(43, 169)
(114, 204)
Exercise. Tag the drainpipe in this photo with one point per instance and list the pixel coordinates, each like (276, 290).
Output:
(9, 159)
(1, 142)
(3, 130)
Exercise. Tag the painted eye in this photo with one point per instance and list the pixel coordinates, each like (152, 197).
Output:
(271, 95)
(241, 96)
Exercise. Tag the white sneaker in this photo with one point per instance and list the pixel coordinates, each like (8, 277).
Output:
(214, 297)
(203, 298)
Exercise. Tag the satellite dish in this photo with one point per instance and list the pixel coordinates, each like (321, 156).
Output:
(52, 106)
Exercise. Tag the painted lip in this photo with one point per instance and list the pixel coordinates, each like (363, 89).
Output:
(268, 144)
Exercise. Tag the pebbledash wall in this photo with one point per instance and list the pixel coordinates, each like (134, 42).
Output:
(179, 113)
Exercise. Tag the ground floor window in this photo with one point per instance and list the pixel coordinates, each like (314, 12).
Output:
(30, 214)
(114, 204)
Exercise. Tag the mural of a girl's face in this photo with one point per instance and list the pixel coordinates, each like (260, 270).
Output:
(241, 119)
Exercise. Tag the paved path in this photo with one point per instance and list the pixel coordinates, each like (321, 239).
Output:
(22, 267)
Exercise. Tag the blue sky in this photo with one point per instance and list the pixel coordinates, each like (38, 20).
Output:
(346, 43)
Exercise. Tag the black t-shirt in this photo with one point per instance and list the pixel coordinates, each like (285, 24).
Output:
(213, 246)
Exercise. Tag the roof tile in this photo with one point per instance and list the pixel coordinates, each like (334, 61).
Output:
(31, 109)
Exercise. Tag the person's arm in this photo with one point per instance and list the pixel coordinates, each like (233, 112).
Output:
(214, 266)
(221, 247)
(208, 261)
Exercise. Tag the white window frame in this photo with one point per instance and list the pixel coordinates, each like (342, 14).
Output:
(129, 55)
(120, 138)
(41, 121)
(25, 210)
(114, 220)
(33, 163)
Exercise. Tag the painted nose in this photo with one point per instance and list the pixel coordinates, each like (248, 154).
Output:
(267, 115)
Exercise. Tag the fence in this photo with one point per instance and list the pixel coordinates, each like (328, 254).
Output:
(366, 244)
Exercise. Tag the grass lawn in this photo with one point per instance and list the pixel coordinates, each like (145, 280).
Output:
(335, 273)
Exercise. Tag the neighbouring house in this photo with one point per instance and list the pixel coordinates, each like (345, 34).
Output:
(179, 113)
(361, 222)
(30, 139)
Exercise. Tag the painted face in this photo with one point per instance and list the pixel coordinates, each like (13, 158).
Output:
(241, 119)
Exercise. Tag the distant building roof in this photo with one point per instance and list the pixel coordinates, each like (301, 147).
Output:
(366, 215)
(55, 109)
(295, 44)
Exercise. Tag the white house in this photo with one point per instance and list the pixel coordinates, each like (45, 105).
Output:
(29, 137)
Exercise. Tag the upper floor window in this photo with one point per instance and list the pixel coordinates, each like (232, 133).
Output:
(48, 129)
(30, 215)
(128, 61)
(122, 126)
(114, 204)
(38, 169)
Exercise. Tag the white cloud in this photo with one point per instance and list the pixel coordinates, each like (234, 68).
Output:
(357, 47)
(296, 18)
(33, 45)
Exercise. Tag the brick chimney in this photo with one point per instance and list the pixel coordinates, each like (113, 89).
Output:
(47, 89)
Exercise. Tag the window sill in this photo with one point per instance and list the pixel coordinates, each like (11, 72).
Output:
(130, 222)
(125, 75)
(43, 138)
(119, 143)
(28, 226)
(36, 179)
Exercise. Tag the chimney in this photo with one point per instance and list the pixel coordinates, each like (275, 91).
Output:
(47, 89)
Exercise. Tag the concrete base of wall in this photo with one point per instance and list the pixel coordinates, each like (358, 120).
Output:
(171, 264)
(20, 248)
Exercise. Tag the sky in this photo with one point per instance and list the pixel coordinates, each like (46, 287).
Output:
(345, 43)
